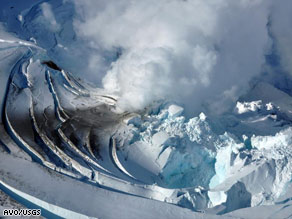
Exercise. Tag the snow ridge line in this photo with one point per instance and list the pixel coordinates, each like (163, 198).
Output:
(77, 151)
(57, 151)
(48, 209)
(114, 157)
(73, 86)
(58, 106)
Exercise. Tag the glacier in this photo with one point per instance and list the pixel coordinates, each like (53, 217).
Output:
(68, 148)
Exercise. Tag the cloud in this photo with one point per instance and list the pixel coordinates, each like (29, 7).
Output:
(49, 16)
(194, 52)
(281, 21)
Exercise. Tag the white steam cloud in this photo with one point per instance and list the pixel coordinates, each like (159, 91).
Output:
(281, 28)
(49, 16)
(195, 52)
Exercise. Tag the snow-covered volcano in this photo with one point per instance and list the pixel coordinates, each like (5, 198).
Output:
(77, 150)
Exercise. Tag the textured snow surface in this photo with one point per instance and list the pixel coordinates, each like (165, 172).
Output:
(68, 148)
